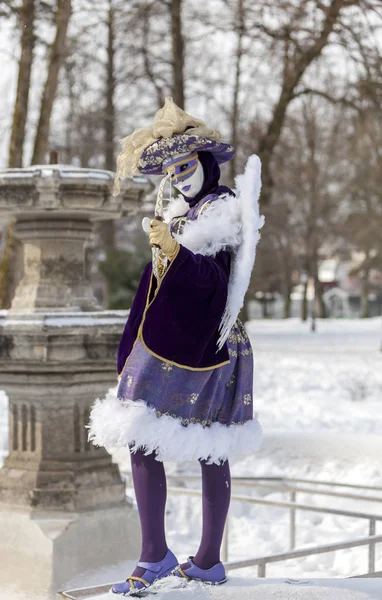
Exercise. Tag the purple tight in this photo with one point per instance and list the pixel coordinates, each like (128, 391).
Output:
(216, 487)
(150, 489)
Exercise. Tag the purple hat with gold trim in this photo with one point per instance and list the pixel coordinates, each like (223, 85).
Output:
(152, 158)
(173, 132)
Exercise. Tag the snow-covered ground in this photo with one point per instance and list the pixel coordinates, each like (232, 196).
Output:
(254, 589)
(319, 399)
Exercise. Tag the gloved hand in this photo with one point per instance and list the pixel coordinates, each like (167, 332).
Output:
(161, 236)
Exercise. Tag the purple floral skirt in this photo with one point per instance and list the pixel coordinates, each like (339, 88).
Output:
(221, 395)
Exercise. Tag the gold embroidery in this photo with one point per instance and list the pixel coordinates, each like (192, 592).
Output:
(244, 352)
(163, 263)
(202, 208)
(193, 398)
(238, 337)
(129, 381)
(231, 381)
(195, 421)
(171, 362)
(167, 367)
(178, 224)
(247, 399)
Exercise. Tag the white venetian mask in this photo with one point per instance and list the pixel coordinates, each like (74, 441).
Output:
(187, 173)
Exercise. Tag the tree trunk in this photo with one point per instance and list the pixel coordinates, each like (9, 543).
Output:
(236, 89)
(304, 303)
(317, 296)
(243, 314)
(20, 112)
(175, 7)
(110, 90)
(321, 309)
(11, 266)
(57, 57)
(365, 293)
(286, 290)
(70, 121)
(146, 59)
(264, 305)
(318, 300)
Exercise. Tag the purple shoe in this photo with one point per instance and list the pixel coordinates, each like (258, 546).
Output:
(213, 576)
(133, 586)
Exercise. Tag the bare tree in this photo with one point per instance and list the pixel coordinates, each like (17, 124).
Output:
(298, 56)
(175, 8)
(109, 120)
(302, 218)
(362, 223)
(240, 30)
(57, 57)
(16, 145)
(11, 265)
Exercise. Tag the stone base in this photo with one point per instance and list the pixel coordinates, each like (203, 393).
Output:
(38, 556)
(52, 367)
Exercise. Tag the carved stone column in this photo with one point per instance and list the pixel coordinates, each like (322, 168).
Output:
(62, 501)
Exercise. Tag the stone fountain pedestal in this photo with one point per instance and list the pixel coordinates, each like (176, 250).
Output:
(63, 508)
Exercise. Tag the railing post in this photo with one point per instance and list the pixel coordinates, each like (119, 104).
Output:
(261, 569)
(225, 543)
(372, 527)
(292, 525)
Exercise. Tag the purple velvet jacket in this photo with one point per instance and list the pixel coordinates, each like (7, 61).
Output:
(179, 321)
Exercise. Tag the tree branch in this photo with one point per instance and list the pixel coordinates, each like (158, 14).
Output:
(291, 80)
(327, 97)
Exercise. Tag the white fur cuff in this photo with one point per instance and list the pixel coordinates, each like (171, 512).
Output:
(115, 425)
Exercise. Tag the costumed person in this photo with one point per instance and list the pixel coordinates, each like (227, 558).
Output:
(185, 364)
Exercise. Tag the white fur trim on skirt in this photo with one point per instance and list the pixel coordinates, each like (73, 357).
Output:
(118, 424)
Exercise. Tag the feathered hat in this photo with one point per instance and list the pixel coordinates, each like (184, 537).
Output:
(173, 132)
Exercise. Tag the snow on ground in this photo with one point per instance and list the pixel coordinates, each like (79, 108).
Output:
(255, 589)
(319, 399)
(330, 380)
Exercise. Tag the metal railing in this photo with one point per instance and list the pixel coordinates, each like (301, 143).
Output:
(281, 484)
(286, 485)
(264, 560)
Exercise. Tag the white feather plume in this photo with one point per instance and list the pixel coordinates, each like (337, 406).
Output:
(243, 256)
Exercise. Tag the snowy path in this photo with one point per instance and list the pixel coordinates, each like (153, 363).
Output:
(258, 589)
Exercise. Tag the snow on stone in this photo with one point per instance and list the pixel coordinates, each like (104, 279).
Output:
(67, 319)
(62, 170)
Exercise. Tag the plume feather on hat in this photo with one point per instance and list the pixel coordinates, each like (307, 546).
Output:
(169, 120)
